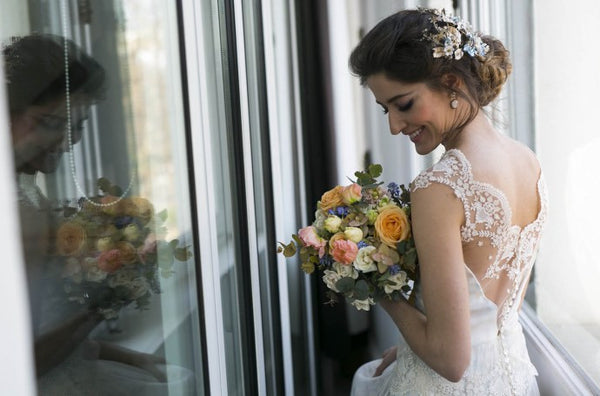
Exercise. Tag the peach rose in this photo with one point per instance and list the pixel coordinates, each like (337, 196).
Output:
(344, 251)
(335, 237)
(70, 239)
(110, 261)
(309, 237)
(351, 194)
(392, 225)
(332, 198)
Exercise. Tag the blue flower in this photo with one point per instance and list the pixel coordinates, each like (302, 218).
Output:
(470, 50)
(394, 269)
(124, 221)
(326, 260)
(362, 244)
(394, 191)
(340, 211)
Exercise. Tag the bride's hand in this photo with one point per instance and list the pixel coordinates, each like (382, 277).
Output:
(389, 356)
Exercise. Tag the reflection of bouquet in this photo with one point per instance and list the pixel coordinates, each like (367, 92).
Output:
(361, 240)
(115, 251)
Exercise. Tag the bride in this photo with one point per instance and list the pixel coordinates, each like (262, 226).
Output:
(477, 214)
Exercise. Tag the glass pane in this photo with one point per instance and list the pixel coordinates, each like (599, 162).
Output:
(99, 146)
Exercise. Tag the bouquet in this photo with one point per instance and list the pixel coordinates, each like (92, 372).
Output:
(114, 250)
(360, 241)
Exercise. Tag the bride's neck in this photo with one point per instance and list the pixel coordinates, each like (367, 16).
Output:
(479, 128)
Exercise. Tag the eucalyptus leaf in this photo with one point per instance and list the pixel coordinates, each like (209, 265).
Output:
(375, 170)
(345, 285)
(361, 290)
(308, 267)
(162, 215)
(182, 254)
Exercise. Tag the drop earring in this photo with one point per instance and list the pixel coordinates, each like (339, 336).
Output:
(453, 100)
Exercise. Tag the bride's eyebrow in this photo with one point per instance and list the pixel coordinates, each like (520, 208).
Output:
(393, 98)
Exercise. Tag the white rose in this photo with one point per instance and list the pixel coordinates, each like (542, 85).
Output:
(95, 274)
(363, 261)
(72, 270)
(131, 233)
(345, 271)
(121, 278)
(363, 305)
(332, 224)
(320, 217)
(330, 278)
(397, 280)
(105, 243)
(138, 287)
(354, 234)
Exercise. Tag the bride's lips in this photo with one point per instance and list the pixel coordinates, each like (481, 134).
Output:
(414, 135)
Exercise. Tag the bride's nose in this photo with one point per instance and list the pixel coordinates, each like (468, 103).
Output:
(397, 124)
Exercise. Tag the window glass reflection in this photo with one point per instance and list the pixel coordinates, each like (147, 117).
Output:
(99, 149)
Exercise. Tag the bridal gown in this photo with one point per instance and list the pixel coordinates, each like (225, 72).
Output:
(500, 364)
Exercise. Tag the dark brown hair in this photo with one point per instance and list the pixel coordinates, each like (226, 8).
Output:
(35, 71)
(397, 47)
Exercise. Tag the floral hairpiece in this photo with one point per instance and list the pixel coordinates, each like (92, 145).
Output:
(451, 32)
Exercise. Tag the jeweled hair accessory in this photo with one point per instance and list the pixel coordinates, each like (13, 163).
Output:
(454, 37)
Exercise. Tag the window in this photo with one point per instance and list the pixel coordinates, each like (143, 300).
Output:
(566, 136)
(99, 143)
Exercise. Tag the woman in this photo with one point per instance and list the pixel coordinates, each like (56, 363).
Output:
(477, 214)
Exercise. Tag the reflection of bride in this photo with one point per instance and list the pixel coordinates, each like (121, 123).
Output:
(67, 362)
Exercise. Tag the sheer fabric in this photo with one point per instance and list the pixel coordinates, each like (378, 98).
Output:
(499, 257)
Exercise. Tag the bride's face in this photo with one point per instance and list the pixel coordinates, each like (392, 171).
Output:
(40, 138)
(414, 110)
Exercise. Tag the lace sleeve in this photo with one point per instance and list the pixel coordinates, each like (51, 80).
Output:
(450, 171)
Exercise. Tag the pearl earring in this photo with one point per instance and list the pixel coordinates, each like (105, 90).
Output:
(453, 100)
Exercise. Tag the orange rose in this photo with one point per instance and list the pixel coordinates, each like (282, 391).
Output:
(128, 252)
(141, 209)
(392, 225)
(332, 198)
(70, 239)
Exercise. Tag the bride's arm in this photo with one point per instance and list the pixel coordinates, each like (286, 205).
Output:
(53, 347)
(441, 339)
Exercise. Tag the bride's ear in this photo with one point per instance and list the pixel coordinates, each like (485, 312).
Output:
(451, 81)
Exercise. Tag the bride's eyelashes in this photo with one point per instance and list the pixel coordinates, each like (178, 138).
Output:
(405, 107)
(402, 108)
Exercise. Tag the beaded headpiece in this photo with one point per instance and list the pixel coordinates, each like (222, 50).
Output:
(454, 37)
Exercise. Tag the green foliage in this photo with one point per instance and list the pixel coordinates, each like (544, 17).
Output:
(288, 250)
(361, 290)
(368, 178)
(345, 285)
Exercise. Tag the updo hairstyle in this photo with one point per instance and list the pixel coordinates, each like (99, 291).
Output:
(398, 47)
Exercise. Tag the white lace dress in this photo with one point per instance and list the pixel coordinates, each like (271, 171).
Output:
(500, 364)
